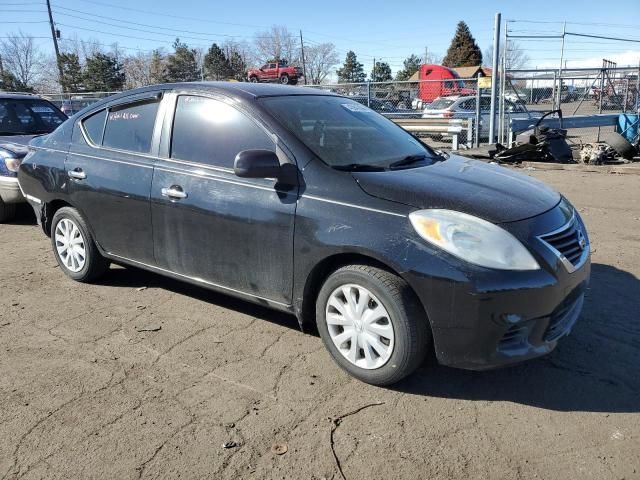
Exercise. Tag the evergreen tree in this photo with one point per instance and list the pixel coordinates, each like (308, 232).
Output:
(381, 72)
(156, 67)
(72, 78)
(181, 65)
(411, 66)
(216, 64)
(238, 66)
(352, 71)
(463, 51)
(103, 73)
(10, 83)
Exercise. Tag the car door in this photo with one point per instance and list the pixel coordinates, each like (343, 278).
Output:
(209, 225)
(272, 71)
(110, 168)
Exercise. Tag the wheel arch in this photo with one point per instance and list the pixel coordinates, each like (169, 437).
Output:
(306, 306)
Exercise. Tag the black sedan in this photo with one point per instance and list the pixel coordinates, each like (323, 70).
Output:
(22, 116)
(313, 204)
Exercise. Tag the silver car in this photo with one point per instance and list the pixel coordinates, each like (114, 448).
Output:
(464, 106)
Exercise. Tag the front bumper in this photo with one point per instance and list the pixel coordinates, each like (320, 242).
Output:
(483, 318)
(10, 190)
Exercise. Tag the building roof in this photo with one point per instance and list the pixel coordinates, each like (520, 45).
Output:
(471, 72)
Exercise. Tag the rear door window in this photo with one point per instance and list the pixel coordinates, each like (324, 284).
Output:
(130, 127)
(212, 132)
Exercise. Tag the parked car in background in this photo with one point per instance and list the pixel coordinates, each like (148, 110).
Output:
(74, 105)
(314, 204)
(276, 72)
(384, 107)
(461, 106)
(22, 117)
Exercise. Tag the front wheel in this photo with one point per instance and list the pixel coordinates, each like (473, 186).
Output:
(253, 79)
(372, 324)
(284, 79)
(74, 248)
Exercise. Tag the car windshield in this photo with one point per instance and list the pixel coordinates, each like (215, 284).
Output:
(345, 134)
(441, 103)
(28, 116)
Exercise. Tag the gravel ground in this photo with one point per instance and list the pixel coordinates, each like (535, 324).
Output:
(86, 392)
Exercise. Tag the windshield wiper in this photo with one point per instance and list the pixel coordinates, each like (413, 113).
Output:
(408, 160)
(360, 167)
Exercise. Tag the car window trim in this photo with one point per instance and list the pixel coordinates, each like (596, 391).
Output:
(130, 101)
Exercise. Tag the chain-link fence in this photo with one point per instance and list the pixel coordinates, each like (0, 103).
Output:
(454, 113)
(71, 103)
(583, 92)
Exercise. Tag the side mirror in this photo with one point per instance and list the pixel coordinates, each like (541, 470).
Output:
(257, 164)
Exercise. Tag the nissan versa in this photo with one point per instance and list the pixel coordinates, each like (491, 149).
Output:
(312, 203)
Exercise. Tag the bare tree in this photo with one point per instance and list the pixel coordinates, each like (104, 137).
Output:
(277, 44)
(22, 58)
(320, 61)
(137, 70)
(516, 56)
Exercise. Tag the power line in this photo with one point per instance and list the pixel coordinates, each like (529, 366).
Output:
(149, 12)
(291, 36)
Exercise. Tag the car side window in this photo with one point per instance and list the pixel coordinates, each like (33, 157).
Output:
(468, 104)
(94, 126)
(485, 104)
(130, 127)
(212, 132)
(272, 65)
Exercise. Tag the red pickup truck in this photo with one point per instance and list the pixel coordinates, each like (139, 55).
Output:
(275, 72)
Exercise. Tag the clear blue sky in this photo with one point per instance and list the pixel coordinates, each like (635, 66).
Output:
(384, 29)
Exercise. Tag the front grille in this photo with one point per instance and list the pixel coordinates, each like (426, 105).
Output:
(569, 241)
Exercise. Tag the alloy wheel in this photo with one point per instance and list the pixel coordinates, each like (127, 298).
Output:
(359, 326)
(70, 245)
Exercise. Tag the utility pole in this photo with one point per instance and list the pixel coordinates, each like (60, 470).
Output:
(564, 34)
(494, 78)
(55, 44)
(304, 64)
(426, 54)
(373, 70)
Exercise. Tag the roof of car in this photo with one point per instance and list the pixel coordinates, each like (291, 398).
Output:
(246, 90)
(18, 95)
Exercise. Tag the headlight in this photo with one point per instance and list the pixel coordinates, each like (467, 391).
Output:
(12, 163)
(472, 239)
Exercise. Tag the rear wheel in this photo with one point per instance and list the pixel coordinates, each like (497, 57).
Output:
(253, 79)
(7, 211)
(372, 324)
(74, 248)
(284, 79)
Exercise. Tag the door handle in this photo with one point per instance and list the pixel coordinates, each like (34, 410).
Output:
(174, 192)
(78, 174)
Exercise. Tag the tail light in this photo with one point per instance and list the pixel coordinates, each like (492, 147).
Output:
(448, 114)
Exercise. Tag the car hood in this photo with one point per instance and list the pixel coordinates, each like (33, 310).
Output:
(16, 144)
(488, 191)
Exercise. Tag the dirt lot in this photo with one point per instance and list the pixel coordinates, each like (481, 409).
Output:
(85, 394)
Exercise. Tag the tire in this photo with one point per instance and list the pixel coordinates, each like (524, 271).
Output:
(284, 79)
(620, 145)
(253, 79)
(94, 264)
(397, 353)
(7, 211)
(293, 81)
